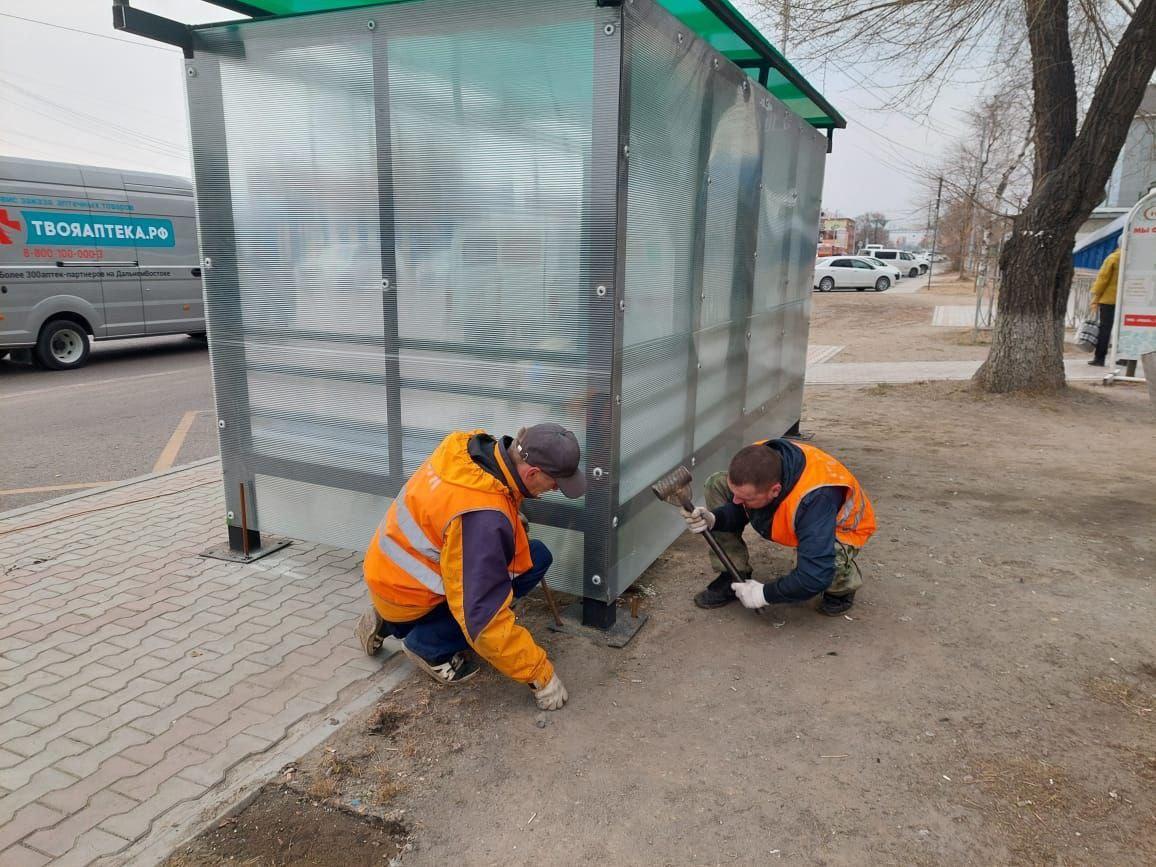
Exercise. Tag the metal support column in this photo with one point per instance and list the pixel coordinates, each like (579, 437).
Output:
(604, 252)
(223, 307)
(389, 284)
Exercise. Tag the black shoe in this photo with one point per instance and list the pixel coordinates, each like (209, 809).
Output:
(458, 668)
(718, 592)
(833, 606)
(1096, 362)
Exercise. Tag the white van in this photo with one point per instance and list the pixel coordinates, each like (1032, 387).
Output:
(907, 263)
(89, 252)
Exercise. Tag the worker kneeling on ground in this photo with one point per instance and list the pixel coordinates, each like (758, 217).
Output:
(798, 496)
(451, 555)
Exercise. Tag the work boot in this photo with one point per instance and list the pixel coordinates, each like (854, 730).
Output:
(1097, 362)
(369, 631)
(450, 672)
(833, 606)
(718, 592)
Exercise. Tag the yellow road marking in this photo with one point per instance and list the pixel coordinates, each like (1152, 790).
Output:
(46, 488)
(169, 455)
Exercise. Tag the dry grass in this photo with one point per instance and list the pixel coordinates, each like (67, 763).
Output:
(323, 788)
(1116, 692)
(386, 788)
(1038, 807)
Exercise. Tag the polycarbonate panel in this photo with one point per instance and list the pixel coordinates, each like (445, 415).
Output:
(747, 321)
(302, 175)
(488, 172)
(405, 234)
(668, 84)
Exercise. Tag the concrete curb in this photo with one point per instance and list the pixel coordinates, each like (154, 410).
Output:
(136, 480)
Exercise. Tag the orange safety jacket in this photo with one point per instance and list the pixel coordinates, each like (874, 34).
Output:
(414, 562)
(855, 522)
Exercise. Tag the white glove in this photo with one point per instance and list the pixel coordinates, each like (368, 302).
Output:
(750, 593)
(551, 696)
(699, 519)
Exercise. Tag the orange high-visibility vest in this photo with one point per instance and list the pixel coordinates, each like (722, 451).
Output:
(403, 563)
(856, 519)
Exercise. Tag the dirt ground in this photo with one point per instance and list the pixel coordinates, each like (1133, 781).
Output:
(990, 699)
(890, 326)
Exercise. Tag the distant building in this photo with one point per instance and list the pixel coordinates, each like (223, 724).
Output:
(1135, 171)
(836, 236)
(1136, 167)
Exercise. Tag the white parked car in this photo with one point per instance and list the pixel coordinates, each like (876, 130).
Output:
(850, 272)
(890, 270)
(901, 259)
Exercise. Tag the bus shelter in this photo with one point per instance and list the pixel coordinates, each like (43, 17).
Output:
(453, 214)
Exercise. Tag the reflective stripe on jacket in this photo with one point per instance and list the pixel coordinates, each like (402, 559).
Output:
(856, 519)
(415, 561)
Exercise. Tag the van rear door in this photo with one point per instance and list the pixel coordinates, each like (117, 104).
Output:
(116, 262)
(169, 259)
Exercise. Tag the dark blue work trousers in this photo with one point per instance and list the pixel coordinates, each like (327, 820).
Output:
(437, 636)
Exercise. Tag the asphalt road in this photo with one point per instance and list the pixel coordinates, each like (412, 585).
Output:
(139, 405)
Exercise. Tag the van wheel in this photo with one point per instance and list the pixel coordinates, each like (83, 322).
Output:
(62, 345)
(882, 284)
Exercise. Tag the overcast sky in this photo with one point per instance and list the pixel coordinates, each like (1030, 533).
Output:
(116, 100)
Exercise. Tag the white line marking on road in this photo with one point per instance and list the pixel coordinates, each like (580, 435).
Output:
(173, 448)
(96, 382)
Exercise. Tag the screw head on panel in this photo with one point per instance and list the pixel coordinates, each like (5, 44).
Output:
(191, 71)
(597, 472)
(600, 291)
(208, 263)
(626, 151)
(229, 515)
(384, 282)
(608, 29)
(716, 63)
(621, 304)
(618, 400)
(693, 461)
(679, 38)
(370, 24)
(614, 521)
(596, 580)
(221, 423)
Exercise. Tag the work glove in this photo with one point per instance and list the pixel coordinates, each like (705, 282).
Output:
(699, 519)
(750, 593)
(551, 696)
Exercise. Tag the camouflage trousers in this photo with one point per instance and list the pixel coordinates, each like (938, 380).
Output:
(848, 579)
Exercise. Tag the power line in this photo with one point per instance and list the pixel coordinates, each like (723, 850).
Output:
(90, 33)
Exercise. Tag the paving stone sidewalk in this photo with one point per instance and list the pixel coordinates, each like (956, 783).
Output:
(143, 687)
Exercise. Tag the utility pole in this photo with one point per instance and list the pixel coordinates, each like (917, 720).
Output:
(935, 232)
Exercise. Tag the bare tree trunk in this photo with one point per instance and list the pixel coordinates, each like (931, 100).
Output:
(1028, 338)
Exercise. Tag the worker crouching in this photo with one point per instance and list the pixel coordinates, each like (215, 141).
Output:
(452, 554)
(800, 497)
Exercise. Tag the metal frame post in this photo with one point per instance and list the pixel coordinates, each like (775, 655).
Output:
(383, 135)
(223, 308)
(605, 251)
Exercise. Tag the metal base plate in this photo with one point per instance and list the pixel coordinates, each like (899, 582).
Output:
(625, 627)
(268, 546)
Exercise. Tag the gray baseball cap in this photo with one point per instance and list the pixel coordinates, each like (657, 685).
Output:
(555, 451)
